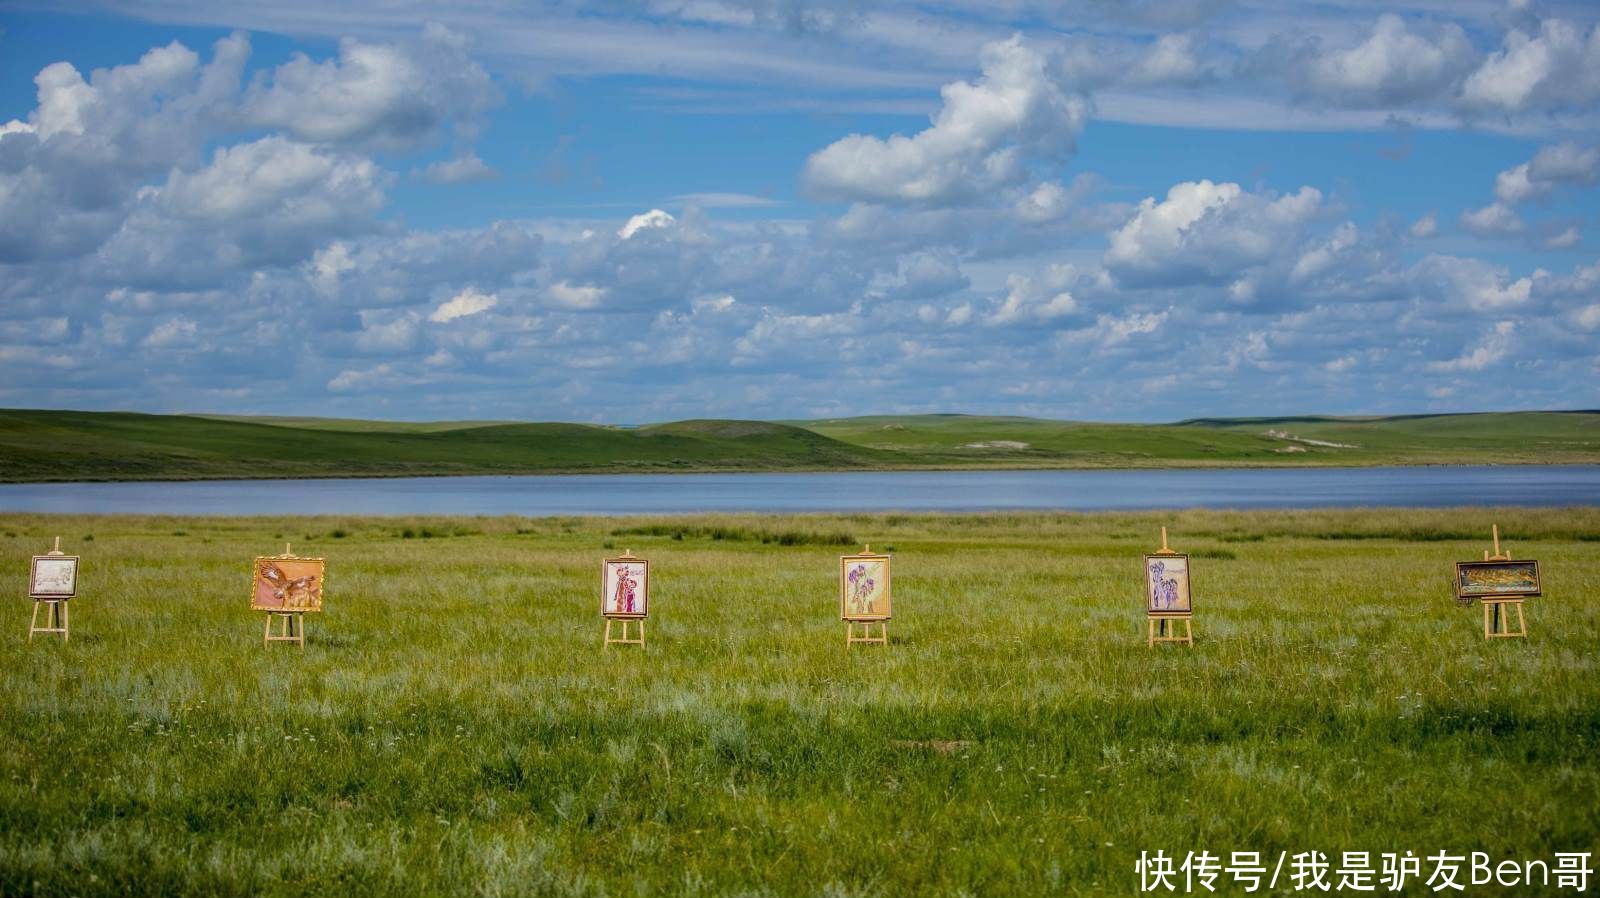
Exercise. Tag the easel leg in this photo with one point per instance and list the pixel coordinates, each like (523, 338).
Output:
(641, 632)
(1522, 625)
(1188, 630)
(33, 624)
(66, 630)
(1150, 633)
(1486, 631)
(607, 643)
(266, 632)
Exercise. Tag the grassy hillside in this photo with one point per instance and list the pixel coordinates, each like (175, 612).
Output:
(1497, 438)
(453, 726)
(47, 445)
(60, 445)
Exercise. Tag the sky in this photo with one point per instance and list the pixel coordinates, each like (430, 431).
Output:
(648, 210)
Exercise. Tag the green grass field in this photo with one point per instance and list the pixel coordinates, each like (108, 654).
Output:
(454, 727)
(64, 445)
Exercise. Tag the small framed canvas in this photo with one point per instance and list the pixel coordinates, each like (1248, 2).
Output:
(864, 587)
(287, 584)
(1496, 579)
(625, 587)
(1166, 585)
(53, 577)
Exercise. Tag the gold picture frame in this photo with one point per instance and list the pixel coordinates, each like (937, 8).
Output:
(1167, 596)
(1497, 579)
(54, 567)
(860, 587)
(625, 581)
(287, 584)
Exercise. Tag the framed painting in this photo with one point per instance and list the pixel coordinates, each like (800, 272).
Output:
(1496, 579)
(1166, 585)
(287, 584)
(625, 587)
(53, 577)
(864, 587)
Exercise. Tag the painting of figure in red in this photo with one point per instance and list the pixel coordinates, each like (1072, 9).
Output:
(625, 587)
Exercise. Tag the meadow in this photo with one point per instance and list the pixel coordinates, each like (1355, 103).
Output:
(454, 727)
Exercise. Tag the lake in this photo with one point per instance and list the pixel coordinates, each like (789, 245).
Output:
(1546, 485)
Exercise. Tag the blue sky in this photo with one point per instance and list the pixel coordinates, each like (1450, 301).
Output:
(665, 209)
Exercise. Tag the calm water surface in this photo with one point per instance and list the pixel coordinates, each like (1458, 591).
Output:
(867, 491)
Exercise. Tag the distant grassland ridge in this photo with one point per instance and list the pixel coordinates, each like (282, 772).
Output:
(40, 445)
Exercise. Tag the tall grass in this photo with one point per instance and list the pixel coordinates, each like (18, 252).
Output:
(454, 727)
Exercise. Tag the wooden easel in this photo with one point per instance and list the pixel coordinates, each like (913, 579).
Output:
(627, 555)
(850, 637)
(55, 619)
(291, 624)
(623, 639)
(1156, 624)
(850, 633)
(291, 628)
(1497, 622)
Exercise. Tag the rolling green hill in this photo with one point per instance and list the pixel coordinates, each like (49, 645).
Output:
(1487, 438)
(64, 445)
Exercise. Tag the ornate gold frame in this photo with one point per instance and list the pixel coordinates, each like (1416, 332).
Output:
(625, 558)
(322, 594)
(52, 597)
(888, 586)
(1144, 584)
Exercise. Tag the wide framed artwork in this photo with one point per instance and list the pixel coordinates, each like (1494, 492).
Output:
(1166, 585)
(625, 587)
(53, 577)
(1496, 580)
(864, 587)
(287, 584)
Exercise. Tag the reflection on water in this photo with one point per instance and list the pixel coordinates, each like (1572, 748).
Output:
(866, 491)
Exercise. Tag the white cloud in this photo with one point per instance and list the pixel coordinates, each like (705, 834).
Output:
(468, 302)
(983, 136)
(1586, 318)
(379, 94)
(463, 169)
(1206, 232)
(171, 333)
(655, 218)
(1493, 347)
(1393, 66)
(726, 200)
(1493, 220)
(1425, 227)
(1045, 298)
(1472, 283)
(1556, 69)
(575, 296)
(1562, 163)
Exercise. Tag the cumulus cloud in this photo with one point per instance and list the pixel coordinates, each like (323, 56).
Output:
(1555, 69)
(381, 95)
(1493, 347)
(1554, 165)
(464, 304)
(1205, 232)
(984, 136)
(1493, 220)
(1393, 66)
(463, 169)
(655, 218)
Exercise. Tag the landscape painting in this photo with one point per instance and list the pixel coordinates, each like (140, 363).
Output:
(1166, 584)
(864, 587)
(1496, 579)
(625, 588)
(53, 577)
(287, 584)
